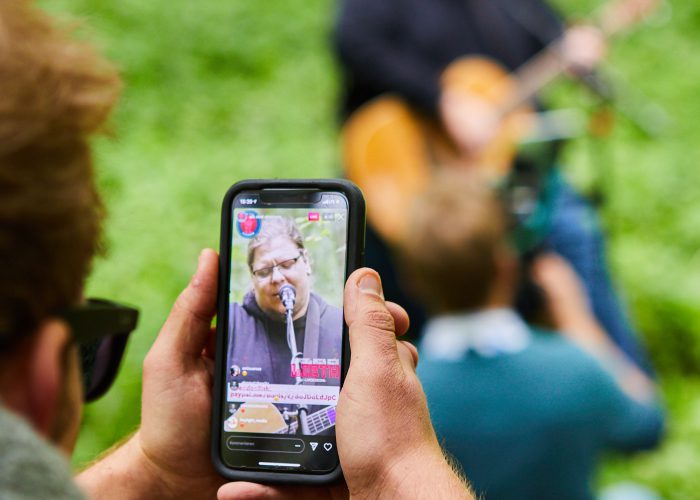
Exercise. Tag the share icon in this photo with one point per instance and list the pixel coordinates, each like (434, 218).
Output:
(313, 446)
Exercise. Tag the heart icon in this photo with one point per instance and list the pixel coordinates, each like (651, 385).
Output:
(327, 446)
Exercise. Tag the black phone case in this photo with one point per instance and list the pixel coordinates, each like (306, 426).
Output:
(355, 259)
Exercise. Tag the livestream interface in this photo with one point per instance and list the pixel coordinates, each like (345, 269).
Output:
(285, 333)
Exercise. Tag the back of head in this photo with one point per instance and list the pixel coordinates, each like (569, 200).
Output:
(457, 230)
(55, 93)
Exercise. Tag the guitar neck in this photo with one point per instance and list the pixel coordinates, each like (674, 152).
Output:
(549, 63)
(534, 75)
(318, 421)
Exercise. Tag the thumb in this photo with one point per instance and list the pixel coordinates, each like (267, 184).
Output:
(371, 324)
(187, 329)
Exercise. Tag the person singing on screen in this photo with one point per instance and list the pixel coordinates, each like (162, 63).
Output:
(259, 350)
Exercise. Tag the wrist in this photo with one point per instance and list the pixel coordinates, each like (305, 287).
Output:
(165, 482)
(129, 472)
(422, 472)
(124, 472)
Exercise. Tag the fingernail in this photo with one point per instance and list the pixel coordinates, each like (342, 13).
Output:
(370, 284)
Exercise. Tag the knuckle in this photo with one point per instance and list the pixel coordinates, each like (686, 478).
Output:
(380, 319)
(409, 392)
(409, 353)
(186, 307)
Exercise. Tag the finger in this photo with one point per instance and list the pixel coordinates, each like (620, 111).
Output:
(209, 365)
(401, 320)
(244, 491)
(210, 347)
(371, 325)
(408, 355)
(186, 330)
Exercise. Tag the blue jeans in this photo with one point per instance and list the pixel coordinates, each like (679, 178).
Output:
(576, 235)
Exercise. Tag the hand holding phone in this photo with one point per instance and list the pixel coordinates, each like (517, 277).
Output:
(170, 452)
(287, 248)
(386, 443)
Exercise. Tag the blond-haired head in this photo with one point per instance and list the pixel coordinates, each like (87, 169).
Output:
(458, 230)
(55, 93)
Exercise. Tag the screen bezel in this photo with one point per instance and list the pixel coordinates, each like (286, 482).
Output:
(355, 255)
(269, 202)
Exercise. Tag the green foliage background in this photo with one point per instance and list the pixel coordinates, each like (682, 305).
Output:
(218, 91)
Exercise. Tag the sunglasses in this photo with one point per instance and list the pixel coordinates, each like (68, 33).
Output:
(101, 328)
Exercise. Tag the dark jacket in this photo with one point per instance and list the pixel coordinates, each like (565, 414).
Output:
(248, 336)
(403, 46)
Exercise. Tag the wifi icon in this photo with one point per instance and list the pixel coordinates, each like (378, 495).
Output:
(313, 446)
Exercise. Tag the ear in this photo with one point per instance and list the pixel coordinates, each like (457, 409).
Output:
(45, 374)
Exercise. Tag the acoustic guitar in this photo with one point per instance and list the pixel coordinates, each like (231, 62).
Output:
(266, 418)
(391, 151)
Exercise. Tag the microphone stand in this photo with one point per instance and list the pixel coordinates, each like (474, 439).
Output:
(292, 343)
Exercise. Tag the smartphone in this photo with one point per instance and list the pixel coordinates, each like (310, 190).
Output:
(287, 248)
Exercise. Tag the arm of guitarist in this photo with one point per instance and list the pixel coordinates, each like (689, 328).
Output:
(470, 121)
(367, 39)
(570, 313)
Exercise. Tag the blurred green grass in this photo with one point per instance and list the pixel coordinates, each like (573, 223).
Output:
(215, 92)
(221, 91)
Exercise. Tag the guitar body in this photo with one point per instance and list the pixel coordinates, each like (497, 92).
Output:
(266, 418)
(386, 155)
(256, 417)
(488, 80)
(391, 151)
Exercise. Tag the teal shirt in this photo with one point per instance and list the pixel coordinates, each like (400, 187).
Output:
(531, 424)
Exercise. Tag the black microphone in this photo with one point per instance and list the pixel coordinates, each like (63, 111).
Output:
(288, 296)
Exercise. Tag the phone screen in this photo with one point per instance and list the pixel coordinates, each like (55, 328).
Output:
(285, 331)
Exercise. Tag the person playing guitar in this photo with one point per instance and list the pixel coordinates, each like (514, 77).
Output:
(404, 53)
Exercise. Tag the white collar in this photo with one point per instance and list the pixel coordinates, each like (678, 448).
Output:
(489, 333)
